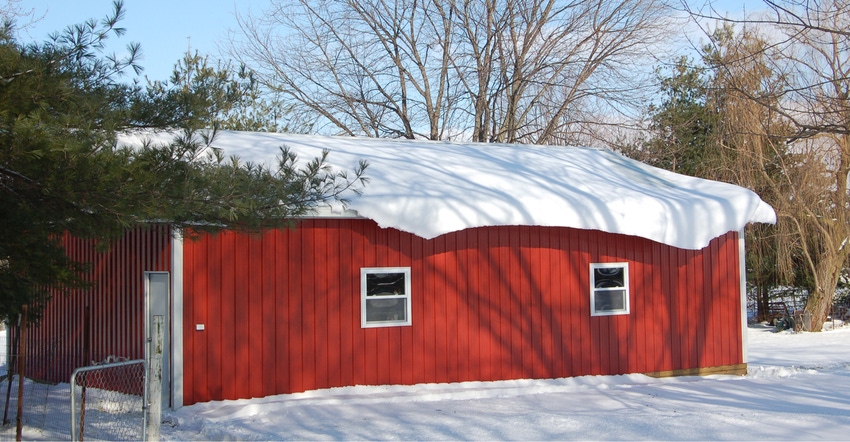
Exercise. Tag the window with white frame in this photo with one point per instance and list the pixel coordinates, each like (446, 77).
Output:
(609, 289)
(384, 296)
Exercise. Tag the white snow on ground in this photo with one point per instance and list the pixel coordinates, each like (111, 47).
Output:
(798, 389)
(432, 188)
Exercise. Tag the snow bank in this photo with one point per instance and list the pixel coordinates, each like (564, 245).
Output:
(432, 188)
(796, 390)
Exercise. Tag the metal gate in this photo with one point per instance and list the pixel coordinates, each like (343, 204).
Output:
(108, 401)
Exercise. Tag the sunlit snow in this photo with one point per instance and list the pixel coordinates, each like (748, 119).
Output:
(797, 389)
(432, 188)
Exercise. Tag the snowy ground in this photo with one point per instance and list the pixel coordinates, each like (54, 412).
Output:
(798, 388)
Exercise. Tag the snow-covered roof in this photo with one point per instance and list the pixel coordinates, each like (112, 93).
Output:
(431, 188)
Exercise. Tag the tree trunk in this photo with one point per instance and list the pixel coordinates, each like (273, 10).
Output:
(763, 302)
(820, 301)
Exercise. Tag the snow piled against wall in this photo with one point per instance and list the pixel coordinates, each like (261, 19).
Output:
(431, 188)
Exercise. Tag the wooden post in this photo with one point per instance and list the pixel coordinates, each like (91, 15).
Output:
(21, 373)
(12, 363)
(155, 378)
(86, 361)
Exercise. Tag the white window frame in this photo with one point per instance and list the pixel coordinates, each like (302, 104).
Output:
(594, 290)
(364, 271)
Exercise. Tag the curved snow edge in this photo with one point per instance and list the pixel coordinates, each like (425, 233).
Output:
(430, 188)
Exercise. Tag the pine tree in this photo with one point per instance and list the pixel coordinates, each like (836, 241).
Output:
(62, 105)
(705, 127)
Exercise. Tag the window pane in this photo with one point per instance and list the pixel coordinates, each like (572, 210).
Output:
(384, 284)
(608, 277)
(385, 296)
(393, 309)
(609, 300)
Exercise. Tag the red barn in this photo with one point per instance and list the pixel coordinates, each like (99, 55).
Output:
(459, 262)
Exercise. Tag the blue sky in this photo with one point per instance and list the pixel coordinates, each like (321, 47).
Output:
(164, 28)
(167, 28)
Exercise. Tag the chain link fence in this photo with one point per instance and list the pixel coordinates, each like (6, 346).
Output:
(40, 406)
(44, 410)
(108, 401)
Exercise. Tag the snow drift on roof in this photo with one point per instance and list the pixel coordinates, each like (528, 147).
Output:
(432, 188)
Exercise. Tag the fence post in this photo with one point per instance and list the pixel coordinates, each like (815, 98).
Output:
(86, 361)
(21, 374)
(155, 379)
(12, 363)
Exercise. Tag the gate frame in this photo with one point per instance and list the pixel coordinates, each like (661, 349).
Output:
(145, 404)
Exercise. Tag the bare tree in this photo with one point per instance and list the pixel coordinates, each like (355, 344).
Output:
(12, 10)
(808, 49)
(507, 71)
(752, 150)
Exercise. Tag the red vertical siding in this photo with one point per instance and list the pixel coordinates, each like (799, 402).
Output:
(228, 316)
(116, 301)
(488, 303)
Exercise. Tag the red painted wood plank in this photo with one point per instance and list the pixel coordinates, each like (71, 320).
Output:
(360, 241)
(241, 316)
(397, 353)
(599, 324)
(509, 314)
(695, 310)
(501, 290)
(408, 334)
(670, 346)
(685, 327)
(369, 370)
(309, 287)
(641, 311)
(478, 304)
(732, 301)
(348, 278)
(255, 315)
(452, 293)
(624, 325)
(333, 304)
(269, 308)
(608, 329)
(201, 317)
(295, 299)
(489, 305)
(654, 310)
(721, 294)
(436, 265)
(722, 314)
(228, 341)
(580, 300)
(560, 315)
(683, 318)
(710, 327)
(212, 329)
(541, 293)
(467, 321)
(518, 315)
(189, 367)
(382, 336)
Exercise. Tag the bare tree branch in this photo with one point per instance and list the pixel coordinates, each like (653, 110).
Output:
(498, 70)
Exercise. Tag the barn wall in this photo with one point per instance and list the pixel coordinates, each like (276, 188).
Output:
(281, 312)
(115, 300)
